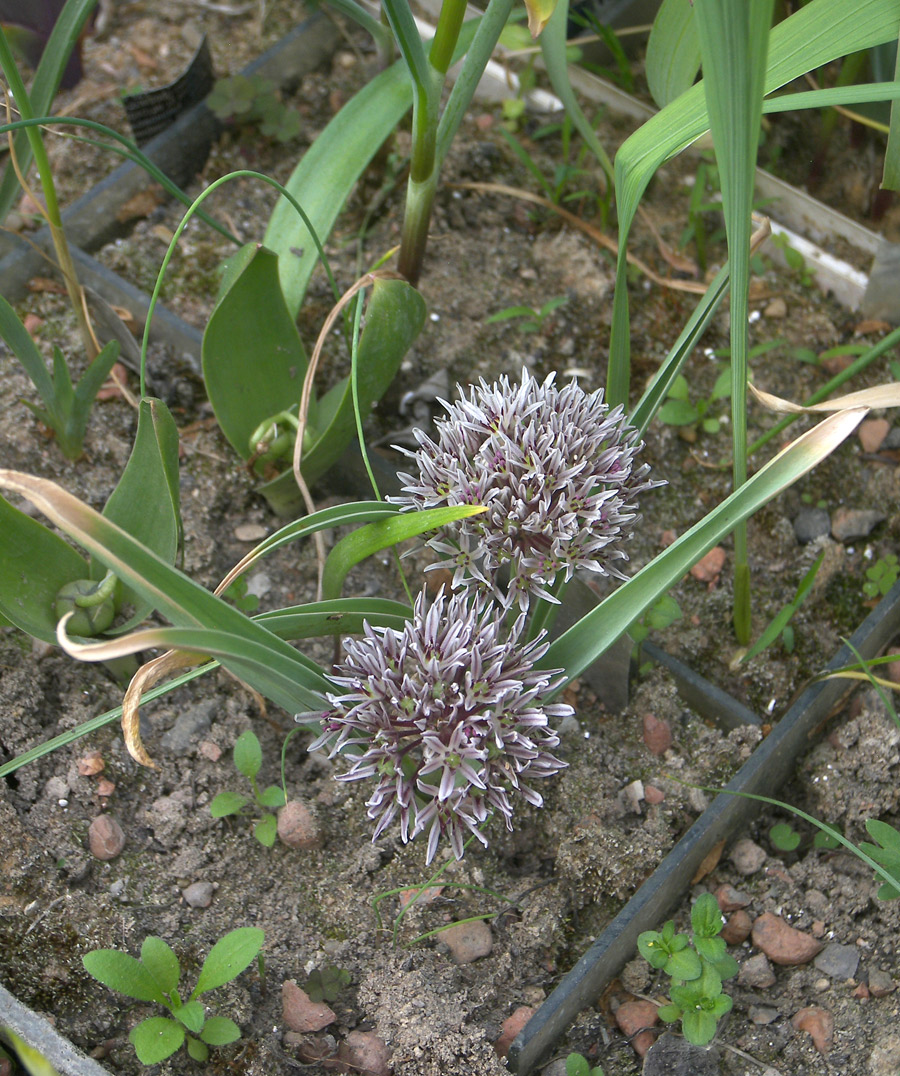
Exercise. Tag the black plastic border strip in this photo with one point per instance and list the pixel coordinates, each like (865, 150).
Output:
(763, 773)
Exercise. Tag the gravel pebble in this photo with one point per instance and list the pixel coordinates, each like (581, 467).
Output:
(880, 983)
(810, 524)
(782, 943)
(633, 1017)
(199, 894)
(105, 837)
(848, 524)
(297, 826)
(731, 899)
(747, 856)
(838, 961)
(468, 941)
(819, 1023)
(872, 433)
(672, 1055)
(366, 1054)
(189, 727)
(757, 972)
(512, 1025)
(300, 1012)
(709, 568)
(657, 734)
(737, 927)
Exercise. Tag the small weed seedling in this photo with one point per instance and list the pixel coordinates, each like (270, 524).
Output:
(578, 1065)
(532, 320)
(780, 624)
(794, 260)
(697, 967)
(155, 978)
(784, 837)
(326, 985)
(248, 761)
(244, 99)
(679, 411)
(881, 576)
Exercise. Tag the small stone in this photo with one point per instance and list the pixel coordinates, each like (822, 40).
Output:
(880, 983)
(838, 961)
(311, 1048)
(189, 727)
(297, 827)
(782, 943)
(633, 793)
(757, 973)
(731, 899)
(848, 524)
(821, 985)
(91, 764)
(762, 1015)
(672, 1055)
(423, 896)
(105, 837)
(512, 1025)
(653, 795)
(366, 1054)
(209, 750)
(818, 928)
(199, 894)
(810, 524)
(633, 1018)
(709, 568)
(468, 941)
(300, 1012)
(862, 992)
(105, 787)
(249, 532)
(872, 433)
(777, 308)
(737, 927)
(819, 1023)
(747, 857)
(657, 734)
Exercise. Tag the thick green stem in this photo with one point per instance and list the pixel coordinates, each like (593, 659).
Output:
(54, 218)
(419, 200)
(446, 34)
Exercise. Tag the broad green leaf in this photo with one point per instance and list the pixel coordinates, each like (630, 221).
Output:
(122, 973)
(191, 1015)
(685, 964)
(219, 1031)
(394, 315)
(266, 830)
(271, 665)
(699, 1027)
(198, 1050)
(156, 1038)
(66, 31)
(145, 502)
(35, 563)
(272, 797)
(253, 359)
(247, 754)
(328, 172)
(161, 962)
(673, 51)
(653, 949)
(366, 541)
(228, 958)
(227, 803)
(706, 916)
(711, 949)
(678, 413)
(595, 633)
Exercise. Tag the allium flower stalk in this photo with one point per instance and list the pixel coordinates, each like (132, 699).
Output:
(555, 469)
(447, 716)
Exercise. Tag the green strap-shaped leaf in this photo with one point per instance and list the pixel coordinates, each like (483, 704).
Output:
(25, 350)
(673, 51)
(228, 958)
(35, 564)
(253, 359)
(342, 616)
(327, 173)
(395, 315)
(583, 643)
(145, 502)
(47, 78)
(362, 543)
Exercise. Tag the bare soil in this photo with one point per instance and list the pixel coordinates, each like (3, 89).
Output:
(568, 867)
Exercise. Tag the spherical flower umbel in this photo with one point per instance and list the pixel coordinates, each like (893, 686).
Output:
(447, 716)
(555, 470)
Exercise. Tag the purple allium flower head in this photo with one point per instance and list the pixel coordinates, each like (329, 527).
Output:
(446, 715)
(555, 469)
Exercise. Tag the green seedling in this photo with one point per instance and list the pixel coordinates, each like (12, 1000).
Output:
(155, 977)
(886, 853)
(794, 260)
(780, 624)
(326, 985)
(697, 967)
(239, 595)
(784, 837)
(252, 99)
(532, 320)
(881, 576)
(678, 410)
(578, 1065)
(248, 761)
